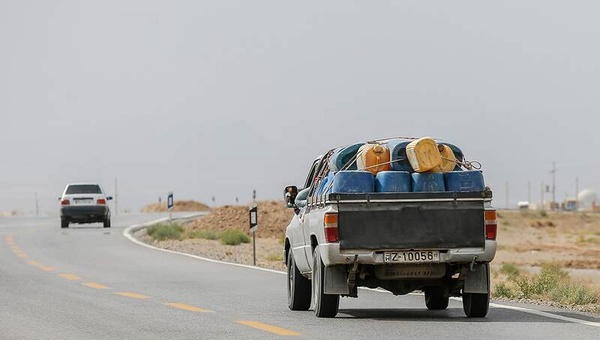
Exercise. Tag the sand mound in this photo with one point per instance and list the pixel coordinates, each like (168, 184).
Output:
(177, 206)
(273, 218)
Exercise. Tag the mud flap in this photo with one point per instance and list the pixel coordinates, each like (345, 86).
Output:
(336, 280)
(477, 280)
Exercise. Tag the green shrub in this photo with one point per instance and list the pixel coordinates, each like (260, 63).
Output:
(510, 270)
(525, 286)
(233, 237)
(552, 283)
(503, 290)
(165, 231)
(594, 240)
(275, 257)
(543, 213)
(550, 276)
(204, 234)
(573, 293)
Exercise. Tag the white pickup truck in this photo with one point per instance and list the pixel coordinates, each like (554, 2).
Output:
(439, 243)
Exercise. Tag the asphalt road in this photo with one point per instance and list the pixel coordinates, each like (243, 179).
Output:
(87, 282)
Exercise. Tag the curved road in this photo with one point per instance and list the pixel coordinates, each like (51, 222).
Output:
(87, 282)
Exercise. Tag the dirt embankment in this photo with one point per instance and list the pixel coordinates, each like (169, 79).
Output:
(177, 206)
(273, 217)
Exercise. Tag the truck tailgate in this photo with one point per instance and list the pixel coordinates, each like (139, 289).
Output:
(409, 221)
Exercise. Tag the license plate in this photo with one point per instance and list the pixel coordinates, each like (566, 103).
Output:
(411, 256)
(83, 201)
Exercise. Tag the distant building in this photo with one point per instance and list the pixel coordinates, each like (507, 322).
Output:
(587, 200)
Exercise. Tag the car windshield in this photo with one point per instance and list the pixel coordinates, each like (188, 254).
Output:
(84, 189)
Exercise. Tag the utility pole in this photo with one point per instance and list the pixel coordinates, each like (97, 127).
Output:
(577, 193)
(553, 184)
(542, 195)
(507, 201)
(116, 200)
(37, 210)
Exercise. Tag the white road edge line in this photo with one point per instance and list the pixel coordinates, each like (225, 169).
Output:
(547, 315)
(128, 234)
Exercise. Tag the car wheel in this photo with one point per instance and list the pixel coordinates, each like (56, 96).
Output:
(435, 298)
(64, 223)
(298, 287)
(325, 305)
(107, 222)
(476, 305)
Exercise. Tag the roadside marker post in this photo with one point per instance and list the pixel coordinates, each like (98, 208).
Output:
(170, 205)
(253, 225)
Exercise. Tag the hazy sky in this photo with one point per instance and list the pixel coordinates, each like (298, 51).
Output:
(217, 98)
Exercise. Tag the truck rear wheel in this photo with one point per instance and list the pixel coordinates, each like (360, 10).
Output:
(435, 298)
(325, 305)
(476, 305)
(298, 287)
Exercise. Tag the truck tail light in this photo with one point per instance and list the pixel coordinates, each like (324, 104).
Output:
(64, 202)
(331, 227)
(101, 201)
(491, 226)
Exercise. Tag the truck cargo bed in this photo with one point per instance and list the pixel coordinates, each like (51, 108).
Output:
(411, 220)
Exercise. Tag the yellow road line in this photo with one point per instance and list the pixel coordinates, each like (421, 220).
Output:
(40, 266)
(133, 295)
(269, 328)
(18, 252)
(70, 277)
(94, 285)
(47, 268)
(187, 307)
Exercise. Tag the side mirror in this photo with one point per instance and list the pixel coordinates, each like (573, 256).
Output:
(289, 195)
(108, 198)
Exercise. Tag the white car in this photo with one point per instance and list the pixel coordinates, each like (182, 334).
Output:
(84, 203)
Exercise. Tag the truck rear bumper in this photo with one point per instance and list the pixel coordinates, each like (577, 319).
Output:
(332, 255)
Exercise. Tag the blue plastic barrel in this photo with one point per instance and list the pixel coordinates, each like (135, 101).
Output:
(393, 181)
(353, 181)
(344, 158)
(471, 180)
(398, 155)
(428, 182)
(325, 186)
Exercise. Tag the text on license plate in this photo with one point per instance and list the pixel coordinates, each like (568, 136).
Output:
(411, 256)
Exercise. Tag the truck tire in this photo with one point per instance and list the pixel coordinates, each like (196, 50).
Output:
(435, 298)
(298, 287)
(64, 223)
(325, 305)
(477, 305)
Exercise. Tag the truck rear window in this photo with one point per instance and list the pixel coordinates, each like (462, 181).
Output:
(83, 189)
